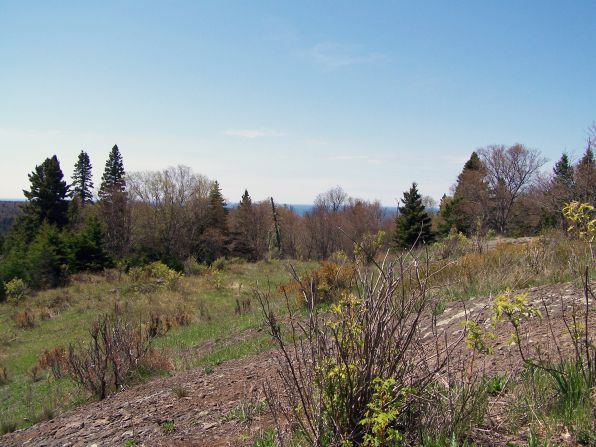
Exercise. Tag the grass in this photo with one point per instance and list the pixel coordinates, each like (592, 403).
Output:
(214, 325)
(217, 333)
(167, 427)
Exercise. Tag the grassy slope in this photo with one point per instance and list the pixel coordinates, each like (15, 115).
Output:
(211, 338)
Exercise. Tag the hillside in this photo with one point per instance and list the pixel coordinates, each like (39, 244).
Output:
(223, 406)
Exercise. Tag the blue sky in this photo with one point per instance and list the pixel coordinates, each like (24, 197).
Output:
(292, 98)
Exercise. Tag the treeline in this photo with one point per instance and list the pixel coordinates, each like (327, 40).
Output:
(177, 216)
(9, 210)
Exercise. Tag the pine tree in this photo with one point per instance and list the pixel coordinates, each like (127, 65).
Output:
(87, 247)
(446, 218)
(245, 201)
(113, 180)
(243, 229)
(585, 176)
(113, 200)
(82, 185)
(217, 208)
(412, 225)
(47, 197)
(470, 196)
(563, 169)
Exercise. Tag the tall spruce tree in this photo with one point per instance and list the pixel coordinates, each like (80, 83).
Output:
(113, 180)
(412, 224)
(82, 185)
(585, 177)
(243, 229)
(563, 170)
(48, 194)
(470, 196)
(217, 211)
(113, 200)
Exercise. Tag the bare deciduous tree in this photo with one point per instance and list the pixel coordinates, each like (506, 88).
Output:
(510, 171)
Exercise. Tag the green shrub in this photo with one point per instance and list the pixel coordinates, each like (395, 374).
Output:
(15, 290)
(192, 267)
(219, 264)
(157, 271)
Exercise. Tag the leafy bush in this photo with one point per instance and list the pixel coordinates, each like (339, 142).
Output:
(15, 290)
(157, 271)
(455, 245)
(351, 375)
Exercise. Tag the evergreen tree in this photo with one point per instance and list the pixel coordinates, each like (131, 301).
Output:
(585, 177)
(446, 218)
(112, 180)
(588, 158)
(412, 225)
(48, 258)
(48, 195)
(470, 196)
(245, 201)
(217, 212)
(87, 247)
(563, 169)
(113, 200)
(243, 229)
(82, 185)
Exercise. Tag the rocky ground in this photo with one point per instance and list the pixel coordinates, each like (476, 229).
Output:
(220, 407)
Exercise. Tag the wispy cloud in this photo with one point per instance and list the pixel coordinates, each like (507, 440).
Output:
(333, 56)
(253, 133)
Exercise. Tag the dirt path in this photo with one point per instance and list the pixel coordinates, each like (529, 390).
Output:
(201, 417)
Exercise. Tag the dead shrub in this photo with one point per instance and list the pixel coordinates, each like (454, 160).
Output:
(44, 313)
(3, 376)
(157, 361)
(110, 357)
(55, 360)
(242, 306)
(25, 319)
(160, 323)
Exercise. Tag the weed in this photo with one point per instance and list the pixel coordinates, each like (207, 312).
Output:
(7, 426)
(246, 411)
(167, 427)
(130, 443)
(265, 438)
(34, 373)
(495, 385)
(534, 441)
(179, 391)
(444, 441)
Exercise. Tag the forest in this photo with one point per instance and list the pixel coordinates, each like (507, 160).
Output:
(177, 216)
